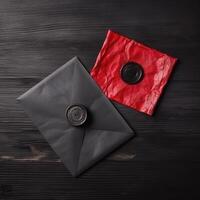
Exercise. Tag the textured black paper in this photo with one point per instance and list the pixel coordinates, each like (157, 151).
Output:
(78, 147)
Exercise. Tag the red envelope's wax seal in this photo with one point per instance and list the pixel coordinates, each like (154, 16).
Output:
(76, 115)
(131, 73)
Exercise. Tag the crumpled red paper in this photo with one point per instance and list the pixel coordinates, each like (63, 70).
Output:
(118, 50)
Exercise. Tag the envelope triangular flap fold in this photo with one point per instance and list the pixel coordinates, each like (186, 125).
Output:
(103, 114)
(78, 147)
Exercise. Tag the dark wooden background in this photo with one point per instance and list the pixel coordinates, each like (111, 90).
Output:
(162, 161)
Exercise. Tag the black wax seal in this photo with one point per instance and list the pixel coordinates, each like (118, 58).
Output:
(131, 73)
(76, 114)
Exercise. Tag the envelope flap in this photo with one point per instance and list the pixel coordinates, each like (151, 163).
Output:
(102, 114)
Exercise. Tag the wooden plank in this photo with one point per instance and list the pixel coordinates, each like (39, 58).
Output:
(108, 180)
(36, 37)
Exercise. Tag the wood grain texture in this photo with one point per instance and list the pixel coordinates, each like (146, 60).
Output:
(163, 160)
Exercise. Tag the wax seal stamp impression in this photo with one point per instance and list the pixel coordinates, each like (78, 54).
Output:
(76, 114)
(131, 73)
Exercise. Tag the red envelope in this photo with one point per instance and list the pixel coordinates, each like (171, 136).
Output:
(155, 66)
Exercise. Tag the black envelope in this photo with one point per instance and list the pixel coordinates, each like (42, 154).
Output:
(78, 121)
